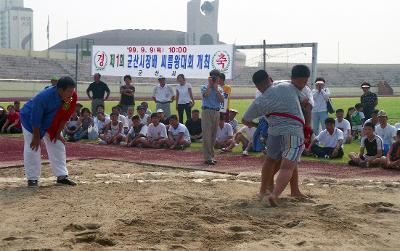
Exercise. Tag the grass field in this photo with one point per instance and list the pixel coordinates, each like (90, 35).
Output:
(389, 104)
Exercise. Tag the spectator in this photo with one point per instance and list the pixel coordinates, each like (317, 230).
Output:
(121, 118)
(17, 106)
(344, 125)
(371, 143)
(320, 111)
(163, 119)
(129, 116)
(329, 142)
(145, 105)
(78, 108)
(393, 156)
(13, 122)
(194, 126)
(211, 102)
(397, 125)
(374, 118)
(113, 133)
(3, 116)
(385, 131)
(357, 120)
(227, 91)
(100, 122)
(142, 115)
(156, 133)
(100, 108)
(98, 88)
(245, 137)
(163, 95)
(350, 112)
(71, 128)
(184, 98)
(127, 95)
(137, 134)
(224, 136)
(178, 134)
(369, 100)
(232, 121)
(85, 124)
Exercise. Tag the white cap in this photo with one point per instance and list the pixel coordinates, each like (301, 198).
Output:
(160, 110)
(161, 77)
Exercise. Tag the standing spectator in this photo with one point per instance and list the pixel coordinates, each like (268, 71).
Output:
(127, 95)
(13, 122)
(163, 95)
(194, 126)
(369, 100)
(224, 136)
(385, 131)
(156, 133)
(211, 102)
(17, 106)
(320, 110)
(232, 121)
(329, 142)
(227, 91)
(98, 89)
(344, 125)
(184, 98)
(145, 105)
(393, 156)
(142, 115)
(3, 116)
(178, 134)
(374, 118)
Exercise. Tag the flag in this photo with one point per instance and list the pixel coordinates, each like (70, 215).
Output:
(48, 27)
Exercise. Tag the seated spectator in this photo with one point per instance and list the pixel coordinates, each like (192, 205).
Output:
(137, 134)
(71, 128)
(224, 134)
(397, 125)
(245, 137)
(357, 120)
(385, 131)
(374, 118)
(156, 133)
(371, 143)
(232, 121)
(17, 106)
(178, 134)
(114, 131)
(163, 119)
(393, 156)
(13, 122)
(344, 125)
(129, 115)
(350, 112)
(121, 118)
(145, 105)
(100, 108)
(3, 116)
(85, 125)
(329, 142)
(78, 108)
(101, 122)
(194, 126)
(142, 115)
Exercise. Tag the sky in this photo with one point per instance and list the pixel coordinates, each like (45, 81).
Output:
(347, 31)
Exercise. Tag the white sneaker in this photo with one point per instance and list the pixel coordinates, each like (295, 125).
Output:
(245, 153)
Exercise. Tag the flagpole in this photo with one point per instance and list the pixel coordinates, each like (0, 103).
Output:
(48, 36)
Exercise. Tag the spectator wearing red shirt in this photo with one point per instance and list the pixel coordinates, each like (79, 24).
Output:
(13, 123)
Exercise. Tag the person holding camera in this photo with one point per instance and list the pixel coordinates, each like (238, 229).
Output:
(211, 102)
(320, 110)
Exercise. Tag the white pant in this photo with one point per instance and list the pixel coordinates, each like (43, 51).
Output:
(32, 159)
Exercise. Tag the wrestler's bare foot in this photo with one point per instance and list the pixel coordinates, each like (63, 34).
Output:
(273, 200)
(299, 195)
(261, 196)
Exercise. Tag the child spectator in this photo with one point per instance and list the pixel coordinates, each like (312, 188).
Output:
(17, 106)
(13, 122)
(71, 128)
(156, 133)
(85, 125)
(129, 115)
(142, 115)
(350, 112)
(329, 142)
(194, 126)
(357, 120)
(137, 134)
(78, 109)
(101, 122)
(145, 105)
(385, 131)
(231, 119)
(371, 143)
(393, 156)
(121, 118)
(100, 108)
(374, 118)
(114, 131)
(224, 136)
(344, 125)
(178, 134)
(163, 119)
(3, 116)
(245, 137)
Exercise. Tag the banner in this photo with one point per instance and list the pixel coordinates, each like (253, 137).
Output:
(194, 61)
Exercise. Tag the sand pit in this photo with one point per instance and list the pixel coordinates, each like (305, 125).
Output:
(123, 206)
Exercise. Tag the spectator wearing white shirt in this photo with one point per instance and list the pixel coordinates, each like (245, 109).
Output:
(142, 115)
(178, 134)
(121, 118)
(329, 142)
(100, 122)
(385, 131)
(320, 111)
(224, 136)
(163, 95)
(344, 125)
(145, 105)
(374, 118)
(184, 98)
(156, 133)
(232, 121)
(129, 115)
(244, 136)
(137, 133)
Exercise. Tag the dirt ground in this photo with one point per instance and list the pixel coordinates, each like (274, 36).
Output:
(124, 206)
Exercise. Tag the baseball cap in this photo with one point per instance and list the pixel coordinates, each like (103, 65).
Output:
(233, 110)
(161, 77)
(54, 77)
(160, 110)
(365, 85)
(140, 107)
(382, 113)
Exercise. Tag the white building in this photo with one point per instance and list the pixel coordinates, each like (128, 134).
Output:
(16, 25)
